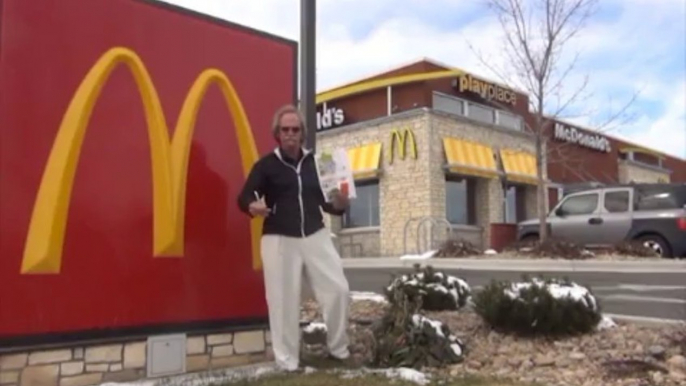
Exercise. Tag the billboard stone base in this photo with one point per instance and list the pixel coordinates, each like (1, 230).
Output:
(126, 361)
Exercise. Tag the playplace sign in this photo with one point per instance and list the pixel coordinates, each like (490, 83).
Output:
(565, 133)
(486, 90)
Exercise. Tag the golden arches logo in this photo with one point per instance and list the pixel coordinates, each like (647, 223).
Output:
(45, 238)
(400, 137)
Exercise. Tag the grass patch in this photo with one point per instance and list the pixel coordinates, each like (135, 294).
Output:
(332, 379)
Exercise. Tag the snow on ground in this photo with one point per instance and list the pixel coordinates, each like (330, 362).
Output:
(406, 374)
(402, 373)
(371, 296)
(490, 252)
(455, 344)
(314, 327)
(423, 256)
(606, 323)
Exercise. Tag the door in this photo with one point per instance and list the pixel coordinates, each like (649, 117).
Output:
(616, 215)
(577, 218)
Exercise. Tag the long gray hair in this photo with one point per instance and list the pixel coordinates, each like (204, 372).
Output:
(288, 109)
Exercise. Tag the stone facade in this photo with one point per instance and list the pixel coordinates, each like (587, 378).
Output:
(411, 189)
(127, 361)
(631, 171)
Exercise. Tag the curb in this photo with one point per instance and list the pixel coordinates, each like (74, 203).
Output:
(646, 320)
(538, 265)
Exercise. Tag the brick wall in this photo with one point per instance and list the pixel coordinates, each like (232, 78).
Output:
(124, 362)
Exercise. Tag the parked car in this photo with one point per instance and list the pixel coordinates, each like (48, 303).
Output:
(653, 214)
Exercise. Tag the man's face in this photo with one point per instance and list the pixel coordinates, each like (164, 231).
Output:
(290, 134)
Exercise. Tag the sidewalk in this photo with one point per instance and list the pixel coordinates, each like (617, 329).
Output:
(524, 265)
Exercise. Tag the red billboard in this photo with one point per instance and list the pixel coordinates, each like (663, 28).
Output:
(127, 128)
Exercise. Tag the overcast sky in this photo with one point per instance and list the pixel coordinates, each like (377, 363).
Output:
(629, 47)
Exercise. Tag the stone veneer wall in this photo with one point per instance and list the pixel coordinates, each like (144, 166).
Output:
(489, 192)
(124, 362)
(403, 185)
(411, 189)
(530, 202)
(636, 172)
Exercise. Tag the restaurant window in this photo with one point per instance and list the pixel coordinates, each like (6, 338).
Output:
(515, 204)
(509, 120)
(481, 113)
(460, 200)
(363, 210)
(448, 104)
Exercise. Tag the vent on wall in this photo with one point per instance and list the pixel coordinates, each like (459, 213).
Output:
(166, 355)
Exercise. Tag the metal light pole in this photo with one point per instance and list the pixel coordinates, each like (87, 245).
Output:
(308, 106)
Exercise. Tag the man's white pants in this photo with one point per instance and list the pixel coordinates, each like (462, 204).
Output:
(283, 260)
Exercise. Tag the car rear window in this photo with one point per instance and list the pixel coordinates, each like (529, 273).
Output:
(660, 197)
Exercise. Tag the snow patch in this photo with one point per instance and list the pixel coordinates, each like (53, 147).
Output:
(423, 256)
(371, 296)
(606, 323)
(314, 327)
(490, 252)
(572, 291)
(420, 320)
(407, 374)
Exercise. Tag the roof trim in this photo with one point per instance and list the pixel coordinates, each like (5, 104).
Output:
(387, 70)
(384, 82)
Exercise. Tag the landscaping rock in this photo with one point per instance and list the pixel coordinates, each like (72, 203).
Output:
(490, 353)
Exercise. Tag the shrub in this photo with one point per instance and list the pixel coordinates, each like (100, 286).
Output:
(436, 290)
(552, 248)
(457, 248)
(404, 338)
(547, 307)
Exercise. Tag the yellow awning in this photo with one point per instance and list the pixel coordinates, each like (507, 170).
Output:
(470, 158)
(364, 160)
(520, 166)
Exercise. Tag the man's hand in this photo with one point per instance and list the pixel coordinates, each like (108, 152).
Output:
(259, 208)
(341, 200)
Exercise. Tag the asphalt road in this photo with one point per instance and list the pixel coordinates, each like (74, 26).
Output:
(657, 295)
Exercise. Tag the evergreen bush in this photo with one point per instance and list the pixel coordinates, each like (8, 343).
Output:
(538, 307)
(404, 338)
(436, 290)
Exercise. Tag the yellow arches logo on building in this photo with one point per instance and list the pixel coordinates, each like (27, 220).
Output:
(45, 238)
(401, 137)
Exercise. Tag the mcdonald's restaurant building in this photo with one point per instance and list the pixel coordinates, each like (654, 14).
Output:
(429, 142)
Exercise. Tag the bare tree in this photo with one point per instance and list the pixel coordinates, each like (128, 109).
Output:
(536, 36)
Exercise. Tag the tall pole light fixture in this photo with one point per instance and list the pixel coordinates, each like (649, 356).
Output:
(308, 106)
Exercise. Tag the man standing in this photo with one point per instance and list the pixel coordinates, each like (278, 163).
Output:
(283, 187)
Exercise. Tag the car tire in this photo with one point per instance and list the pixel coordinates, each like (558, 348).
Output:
(657, 243)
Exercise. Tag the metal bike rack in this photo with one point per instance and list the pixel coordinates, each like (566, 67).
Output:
(430, 237)
(432, 221)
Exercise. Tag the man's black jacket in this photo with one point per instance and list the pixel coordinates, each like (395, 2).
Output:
(292, 191)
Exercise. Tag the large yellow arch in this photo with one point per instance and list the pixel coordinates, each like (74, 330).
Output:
(45, 238)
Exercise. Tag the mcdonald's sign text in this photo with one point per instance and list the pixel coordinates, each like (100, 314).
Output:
(118, 185)
(402, 138)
